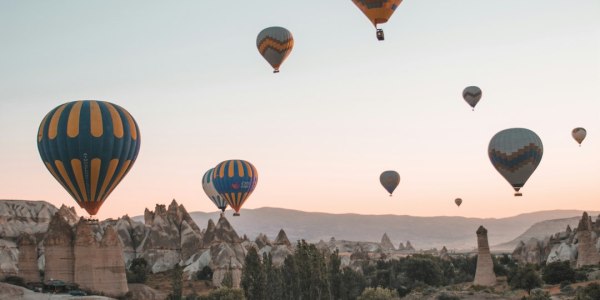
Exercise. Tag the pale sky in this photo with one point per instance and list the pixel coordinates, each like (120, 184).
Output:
(344, 108)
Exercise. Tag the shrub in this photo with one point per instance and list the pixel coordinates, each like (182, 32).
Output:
(378, 293)
(138, 271)
(590, 292)
(558, 272)
(444, 296)
(15, 280)
(205, 274)
(539, 294)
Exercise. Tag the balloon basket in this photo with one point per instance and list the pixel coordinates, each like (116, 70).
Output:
(380, 35)
(92, 221)
(236, 214)
(275, 71)
(518, 194)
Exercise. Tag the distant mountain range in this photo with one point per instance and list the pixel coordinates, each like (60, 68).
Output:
(423, 232)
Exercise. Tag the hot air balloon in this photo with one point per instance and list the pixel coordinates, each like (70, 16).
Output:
(579, 134)
(89, 146)
(275, 44)
(516, 153)
(235, 180)
(472, 95)
(389, 180)
(211, 192)
(458, 201)
(378, 12)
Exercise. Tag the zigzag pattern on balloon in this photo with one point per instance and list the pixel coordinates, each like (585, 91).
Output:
(275, 45)
(512, 162)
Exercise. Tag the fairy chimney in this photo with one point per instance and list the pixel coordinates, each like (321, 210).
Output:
(28, 258)
(484, 274)
(587, 252)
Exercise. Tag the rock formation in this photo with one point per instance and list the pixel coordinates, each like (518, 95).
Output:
(401, 246)
(58, 250)
(386, 244)
(28, 258)
(172, 237)
(444, 254)
(484, 274)
(409, 246)
(282, 239)
(587, 252)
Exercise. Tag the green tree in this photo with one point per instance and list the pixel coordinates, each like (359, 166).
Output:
(227, 278)
(352, 284)
(177, 283)
(423, 269)
(335, 275)
(539, 294)
(378, 293)
(557, 272)
(274, 279)
(526, 278)
(291, 280)
(138, 271)
(253, 276)
(205, 274)
(590, 292)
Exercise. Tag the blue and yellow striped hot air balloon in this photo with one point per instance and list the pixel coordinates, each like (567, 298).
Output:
(89, 146)
(275, 45)
(209, 188)
(516, 153)
(235, 180)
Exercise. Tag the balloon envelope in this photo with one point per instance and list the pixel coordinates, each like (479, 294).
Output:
(472, 95)
(235, 180)
(89, 146)
(516, 153)
(458, 201)
(579, 134)
(209, 188)
(389, 180)
(378, 11)
(275, 45)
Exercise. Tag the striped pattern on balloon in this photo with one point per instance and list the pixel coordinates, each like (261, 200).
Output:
(235, 180)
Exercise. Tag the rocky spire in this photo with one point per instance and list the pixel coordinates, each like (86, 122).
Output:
(28, 258)
(224, 232)
(484, 274)
(569, 229)
(444, 254)
(209, 234)
(282, 239)
(409, 246)
(587, 252)
(386, 244)
(401, 246)
(58, 250)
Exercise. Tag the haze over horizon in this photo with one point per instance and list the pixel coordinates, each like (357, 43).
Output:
(344, 108)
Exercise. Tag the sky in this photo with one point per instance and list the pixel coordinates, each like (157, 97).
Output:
(344, 108)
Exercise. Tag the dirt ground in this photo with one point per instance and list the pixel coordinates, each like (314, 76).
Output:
(163, 282)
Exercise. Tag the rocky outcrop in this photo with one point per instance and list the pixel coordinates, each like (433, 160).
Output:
(172, 237)
(484, 274)
(562, 252)
(386, 244)
(261, 241)
(142, 291)
(409, 246)
(401, 246)
(111, 270)
(28, 258)
(31, 217)
(282, 239)
(444, 254)
(587, 251)
(58, 250)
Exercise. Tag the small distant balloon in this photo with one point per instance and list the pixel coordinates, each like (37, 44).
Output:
(275, 45)
(458, 201)
(516, 153)
(389, 180)
(579, 134)
(472, 95)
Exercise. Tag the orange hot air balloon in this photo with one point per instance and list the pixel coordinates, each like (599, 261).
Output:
(378, 11)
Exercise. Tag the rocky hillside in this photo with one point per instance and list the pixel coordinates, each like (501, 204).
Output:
(423, 232)
(540, 231)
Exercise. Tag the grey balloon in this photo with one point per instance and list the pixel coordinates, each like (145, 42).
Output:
(472, 95)
(389, 180)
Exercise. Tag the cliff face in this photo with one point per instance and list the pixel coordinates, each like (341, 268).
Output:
(58, 250)
(578, 246)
